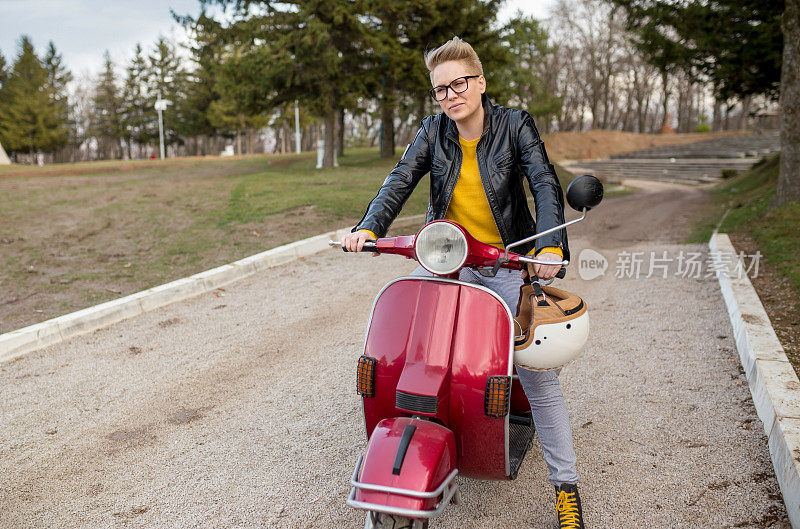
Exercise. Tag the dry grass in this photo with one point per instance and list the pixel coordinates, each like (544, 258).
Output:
(604, 143)
(73, 236)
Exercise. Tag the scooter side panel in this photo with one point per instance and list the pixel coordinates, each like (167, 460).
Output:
(430, 458)
(410, 335)
(427, 366)
(482, 347)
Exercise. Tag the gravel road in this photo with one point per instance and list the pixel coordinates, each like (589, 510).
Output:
(238, 408)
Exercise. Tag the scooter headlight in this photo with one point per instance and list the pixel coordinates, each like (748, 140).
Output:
(441, 248)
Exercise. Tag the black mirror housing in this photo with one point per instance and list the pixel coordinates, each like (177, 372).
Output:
(584, 193)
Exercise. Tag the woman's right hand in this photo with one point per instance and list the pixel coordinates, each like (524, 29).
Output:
(354, 242)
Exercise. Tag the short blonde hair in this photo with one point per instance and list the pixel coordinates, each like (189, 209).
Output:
(454, 49)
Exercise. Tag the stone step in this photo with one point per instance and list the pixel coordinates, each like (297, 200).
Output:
(683, 170)
(744, 146)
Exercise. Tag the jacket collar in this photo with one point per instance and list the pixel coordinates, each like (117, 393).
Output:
(488, 119)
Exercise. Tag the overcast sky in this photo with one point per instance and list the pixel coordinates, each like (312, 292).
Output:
(83, 29)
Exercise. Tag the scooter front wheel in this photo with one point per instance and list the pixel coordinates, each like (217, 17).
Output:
(379, 520)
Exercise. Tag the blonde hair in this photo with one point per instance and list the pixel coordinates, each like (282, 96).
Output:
(454, 49)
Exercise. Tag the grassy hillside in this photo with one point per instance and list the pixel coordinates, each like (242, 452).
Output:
(776, 231)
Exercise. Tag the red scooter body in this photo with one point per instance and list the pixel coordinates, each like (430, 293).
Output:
(436, 342)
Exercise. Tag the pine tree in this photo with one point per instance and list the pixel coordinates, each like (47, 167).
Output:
(332, 54)
(107, 111)
(396, 66)
(57, 79)
(28, 116)
(193, 108)
(736, 43)
(138, 118)
(3, 72)
(167, 78)
(297, 50)
(527, 42)
(313, 50)
(403, 30)
(240, 104)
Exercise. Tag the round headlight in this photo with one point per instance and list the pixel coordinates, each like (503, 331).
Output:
(441, 248)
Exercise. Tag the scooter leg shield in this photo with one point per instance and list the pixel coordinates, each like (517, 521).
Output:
(409, 454)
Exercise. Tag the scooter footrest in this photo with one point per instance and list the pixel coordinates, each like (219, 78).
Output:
(520, 439)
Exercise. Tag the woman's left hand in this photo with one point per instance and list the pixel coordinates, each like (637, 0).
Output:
(545, 271)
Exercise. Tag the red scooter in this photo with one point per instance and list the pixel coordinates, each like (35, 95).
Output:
(437, 380)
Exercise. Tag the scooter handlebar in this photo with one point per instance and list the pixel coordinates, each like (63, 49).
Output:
(404, 245)
(369, 246)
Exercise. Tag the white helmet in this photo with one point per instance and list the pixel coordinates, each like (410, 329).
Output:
(552, 326)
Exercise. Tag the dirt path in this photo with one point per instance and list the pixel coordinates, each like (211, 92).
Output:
(238, 408)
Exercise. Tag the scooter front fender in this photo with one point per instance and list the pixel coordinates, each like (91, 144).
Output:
(408, 469)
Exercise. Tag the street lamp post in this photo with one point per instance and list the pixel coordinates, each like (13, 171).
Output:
(297, 126)
(161, 106)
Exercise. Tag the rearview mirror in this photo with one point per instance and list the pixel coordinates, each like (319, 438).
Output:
(584, 193)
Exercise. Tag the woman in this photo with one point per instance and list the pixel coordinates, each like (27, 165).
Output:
(478, 154)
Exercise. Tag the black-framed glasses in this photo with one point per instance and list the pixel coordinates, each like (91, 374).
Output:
(458, 85)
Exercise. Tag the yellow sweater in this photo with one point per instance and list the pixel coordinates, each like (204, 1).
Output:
(469, 206)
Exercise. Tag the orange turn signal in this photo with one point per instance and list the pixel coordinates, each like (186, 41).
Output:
(365, 376)
(498, 396)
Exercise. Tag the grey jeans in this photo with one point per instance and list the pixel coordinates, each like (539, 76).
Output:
(548, 408)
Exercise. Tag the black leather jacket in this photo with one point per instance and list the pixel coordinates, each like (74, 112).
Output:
(509, 148)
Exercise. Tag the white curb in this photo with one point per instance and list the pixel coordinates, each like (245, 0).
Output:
(17, 343)
(773, 382)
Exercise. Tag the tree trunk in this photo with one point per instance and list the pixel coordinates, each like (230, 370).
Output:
(682, 96)
(340, 133)
(745, 112)
(726, 115)
(238, 141)
(789, 176)
(251, 140)
(699, 97)
(422, 107)
(665, 109)
(628, 115)
(330, 126)
(716, 124)
(387, 127)
(687, 107)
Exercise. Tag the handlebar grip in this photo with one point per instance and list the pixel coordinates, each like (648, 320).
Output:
(561, 272)
(369, 246)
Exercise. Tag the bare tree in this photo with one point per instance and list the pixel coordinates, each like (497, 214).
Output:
(594, 34)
